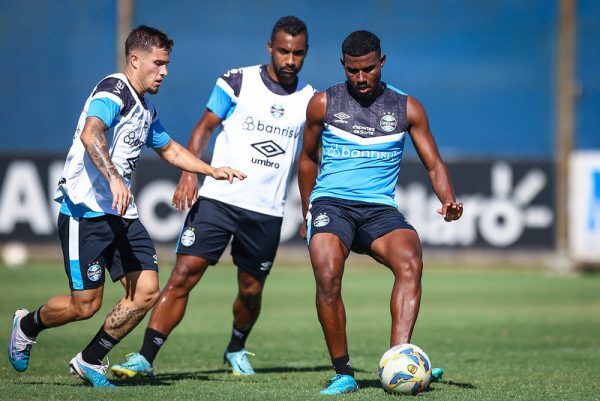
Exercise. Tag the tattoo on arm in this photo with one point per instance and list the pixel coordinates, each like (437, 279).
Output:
(122, 319)
(97, 150)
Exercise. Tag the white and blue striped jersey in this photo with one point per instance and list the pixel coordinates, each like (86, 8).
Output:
(362, 146)
(262, 126)
(133, 122)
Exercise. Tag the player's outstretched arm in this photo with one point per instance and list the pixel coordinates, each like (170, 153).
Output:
(94, 140)
(308, 161)
(428, 152)
(186, 192)
(178, 156)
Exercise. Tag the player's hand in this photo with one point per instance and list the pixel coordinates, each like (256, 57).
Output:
(451, 210)
(227, 173)
(303, 229)
(186, 192)
(121, 195)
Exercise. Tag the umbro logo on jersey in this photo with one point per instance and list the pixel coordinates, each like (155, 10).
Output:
(341, 117)
(268, 148)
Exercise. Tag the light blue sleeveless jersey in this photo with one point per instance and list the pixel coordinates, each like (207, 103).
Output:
(362, 146)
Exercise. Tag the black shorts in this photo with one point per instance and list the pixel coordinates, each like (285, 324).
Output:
(110, 242)
(210, 224)
(356, 223)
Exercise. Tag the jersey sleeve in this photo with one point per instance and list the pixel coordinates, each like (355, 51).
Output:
(225, 93)
(157, 136)
(111, 99)
(105, 109)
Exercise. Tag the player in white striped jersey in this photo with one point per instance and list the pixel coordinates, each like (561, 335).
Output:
(98, 223)
(262, 110)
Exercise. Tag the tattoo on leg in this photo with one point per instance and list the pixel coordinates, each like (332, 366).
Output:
(122, 319)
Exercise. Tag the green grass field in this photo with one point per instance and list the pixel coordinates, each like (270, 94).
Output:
(498, 333)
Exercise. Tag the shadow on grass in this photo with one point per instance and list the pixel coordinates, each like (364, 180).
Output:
(377, 384)
(457, 384)
(45, 383)
(167, 379)
(369, 384)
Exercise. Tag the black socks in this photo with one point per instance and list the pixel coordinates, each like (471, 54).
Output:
(32, 324)
(97, 349)
(343, 366)
(238, 340)
(153, 340)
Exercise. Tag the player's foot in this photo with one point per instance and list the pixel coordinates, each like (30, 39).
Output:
(95, 375)
(135, 365)
(436, 374)
(239, 362)
(19, 346)
(340, 384)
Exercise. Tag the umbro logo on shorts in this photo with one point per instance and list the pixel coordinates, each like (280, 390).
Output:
(264, 266)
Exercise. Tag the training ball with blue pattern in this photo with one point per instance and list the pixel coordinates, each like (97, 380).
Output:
(405, 369)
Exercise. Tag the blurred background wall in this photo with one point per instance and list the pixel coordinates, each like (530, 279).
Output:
(486, 72)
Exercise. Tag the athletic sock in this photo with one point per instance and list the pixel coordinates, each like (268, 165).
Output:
(343, 366)
(32, 324)
(238, 340)
(97, 349)
(153, 340)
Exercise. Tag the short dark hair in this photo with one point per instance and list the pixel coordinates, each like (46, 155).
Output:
(291, 25)
(145, 38)
(359, 43)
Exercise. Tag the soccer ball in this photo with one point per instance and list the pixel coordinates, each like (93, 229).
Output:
(405, 369)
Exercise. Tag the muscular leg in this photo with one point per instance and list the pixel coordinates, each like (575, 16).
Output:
(400, 251)
(141, 293)
(246, 309)
(62, 309)
(173, 299)
(79, 305)
(166, 315)
(328, 255)
(246, 306)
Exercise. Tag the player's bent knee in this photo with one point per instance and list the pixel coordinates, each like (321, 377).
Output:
(251, 291)
(84, 310)
(410, 267)
(147, 298)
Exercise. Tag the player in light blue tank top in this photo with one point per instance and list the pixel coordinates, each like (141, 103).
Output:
(362, 146)
(361, 125)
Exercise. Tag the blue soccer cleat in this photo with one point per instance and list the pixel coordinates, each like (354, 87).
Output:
(95, 375)
(340, 384)
(239, 362)
(19, 346)
(436, 374)
(136, 365)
